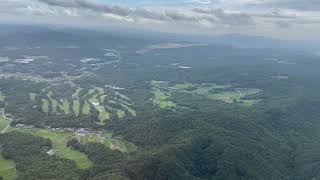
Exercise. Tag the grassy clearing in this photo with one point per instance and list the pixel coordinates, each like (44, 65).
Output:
(162, 91)
(203, 89)
(103, 114)
(65, 106)
(7, 169)
(124, 97)
(76, 102)
(76, 107)
(4, 123)
(162, 97)
(249, 103)
(59, 141)
(96, 99)
(167, 104)
(183, 86)
(131, 111)
(53, 102)
(45, 105)
(86, 108)
(236, 96)
(32, 96)
(121, 114)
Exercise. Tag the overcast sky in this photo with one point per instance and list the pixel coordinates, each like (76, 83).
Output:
(285, 19)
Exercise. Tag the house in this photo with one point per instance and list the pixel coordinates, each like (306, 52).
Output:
(51, 152)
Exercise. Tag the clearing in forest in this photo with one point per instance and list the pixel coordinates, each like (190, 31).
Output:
(97, 100)
(161, 98)
(79, 103)
(7, 169)
(227, 93)
(76, 102)
(54, 103)
(59, 141)
(86, 108)
(45, 105)
(65, 106)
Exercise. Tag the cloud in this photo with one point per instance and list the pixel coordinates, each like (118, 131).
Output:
(134, 14)
(303, 5)
(266, 17)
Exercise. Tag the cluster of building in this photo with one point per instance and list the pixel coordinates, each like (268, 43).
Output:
(155, 101)
(77, 131)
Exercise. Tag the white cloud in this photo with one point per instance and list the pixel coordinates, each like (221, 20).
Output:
(263, 17)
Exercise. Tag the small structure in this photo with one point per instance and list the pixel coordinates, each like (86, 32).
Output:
(51, 152)
(19, 126)
(95, 103)
(80, 132)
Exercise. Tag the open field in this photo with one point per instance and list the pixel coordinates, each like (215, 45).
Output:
(54, 102)
(76, 107)
(224, 92)
(83, 103)
(103, 114)
(95, 93)
(162, 100)
(203, 89)
(86, 108)
(234, 96)
(59, 141)
(45, 105)
(121, 114)
(76, 102)
(183, 86)
(7, 169)
(65, 106)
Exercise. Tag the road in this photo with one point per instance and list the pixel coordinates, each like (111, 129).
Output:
(9, 119)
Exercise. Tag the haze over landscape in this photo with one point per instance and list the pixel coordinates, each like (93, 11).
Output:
(159, 90)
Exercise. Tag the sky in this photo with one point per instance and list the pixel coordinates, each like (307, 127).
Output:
(282, 19)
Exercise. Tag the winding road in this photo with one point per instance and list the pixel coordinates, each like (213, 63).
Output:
(9, 119)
